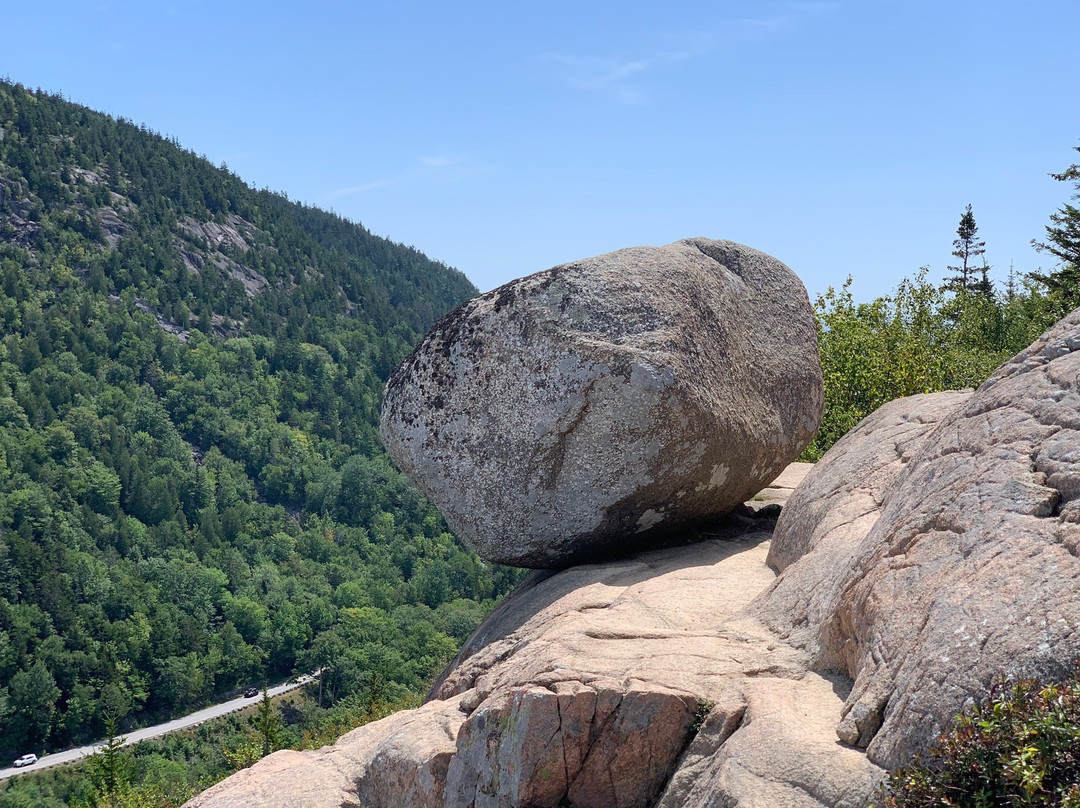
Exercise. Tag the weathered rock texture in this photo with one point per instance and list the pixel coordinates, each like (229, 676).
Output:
(941, 556)
(627, 684)
(206, 242)
(398, 762)
(841, 498)
(932, 550)
(562, 416)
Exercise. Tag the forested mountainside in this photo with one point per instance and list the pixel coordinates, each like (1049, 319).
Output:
(192, 491)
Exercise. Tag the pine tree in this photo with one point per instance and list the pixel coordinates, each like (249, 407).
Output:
(967, 248)
(269, 723)
(110, 767)
(1063, 242)
(984, 286)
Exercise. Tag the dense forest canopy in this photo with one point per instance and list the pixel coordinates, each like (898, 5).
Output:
(193, 495)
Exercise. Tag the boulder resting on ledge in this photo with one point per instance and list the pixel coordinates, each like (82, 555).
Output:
(590, 410)
(934, 549)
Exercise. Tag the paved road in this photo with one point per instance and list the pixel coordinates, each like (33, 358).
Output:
(218, 710)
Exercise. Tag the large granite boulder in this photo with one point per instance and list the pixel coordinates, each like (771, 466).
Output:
(596, 407)
(960, 568)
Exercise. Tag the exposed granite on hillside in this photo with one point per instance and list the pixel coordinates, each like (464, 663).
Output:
(968, 567)
(637, 682)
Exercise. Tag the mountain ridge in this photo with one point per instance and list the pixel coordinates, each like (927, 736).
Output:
(193, 494)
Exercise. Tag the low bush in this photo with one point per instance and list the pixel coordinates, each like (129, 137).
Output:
(1020, 748)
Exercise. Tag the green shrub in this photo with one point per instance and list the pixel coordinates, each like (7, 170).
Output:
(1020, 748)
(921, 338)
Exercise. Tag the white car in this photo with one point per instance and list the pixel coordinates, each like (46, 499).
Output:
(26, 760)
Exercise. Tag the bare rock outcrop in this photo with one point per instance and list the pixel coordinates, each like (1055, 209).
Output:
(209, 241)
(234, 233)
(841, 498)
(112, 225)
(966, 568)
(627, 684)
(592, 408)
(393, 763)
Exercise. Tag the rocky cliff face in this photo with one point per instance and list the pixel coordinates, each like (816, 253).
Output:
(956, 564)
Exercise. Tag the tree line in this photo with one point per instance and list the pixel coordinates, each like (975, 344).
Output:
(929, 336)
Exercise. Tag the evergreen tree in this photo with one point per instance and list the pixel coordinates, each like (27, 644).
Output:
(1011, 288)
(269, 723)
(33, 697)
(181, 420)
(984, 286)
(1063, 242)
(967, 248)
(110, 766)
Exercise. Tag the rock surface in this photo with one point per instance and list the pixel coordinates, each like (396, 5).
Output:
(627, 684)
(600, 405)
(950, 569)
(842, 496)
(207, 242)
(398, 762)
(934, 549)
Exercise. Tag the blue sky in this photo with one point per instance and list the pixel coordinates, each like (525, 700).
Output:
(842, 137)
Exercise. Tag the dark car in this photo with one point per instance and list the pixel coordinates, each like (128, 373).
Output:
(251, 691)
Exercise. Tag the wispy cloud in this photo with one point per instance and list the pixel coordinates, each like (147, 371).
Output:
(361, 187)
(607, 75)
(621, 78)
(439, 160)
(615, 77)
(438, 167)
